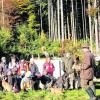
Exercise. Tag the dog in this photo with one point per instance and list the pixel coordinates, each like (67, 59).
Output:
(55, 90)
(62, 82)
(27, 82)
(42, 86)
(6, 86)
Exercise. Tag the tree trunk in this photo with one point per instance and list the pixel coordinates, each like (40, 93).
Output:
(41, 16)
(3, 18)
(73, 22)
(55, 25)
(68, 28)
(83, 18)
(62, 22)
(99, 21)
(96, 32)
(85, 28)
(90, 31)
(52, 26)
(58, 18)
(49, 18)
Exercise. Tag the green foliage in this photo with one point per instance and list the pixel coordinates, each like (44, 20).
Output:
(26, 38)
(20, 3)
(27, 11)
(74, 47)
(46, 95)
(54, 48)
(28, 43)
(5, 38)
(42, 39)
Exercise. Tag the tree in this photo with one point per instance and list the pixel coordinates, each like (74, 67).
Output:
(5, 39)
(7, 13)
(58, 18)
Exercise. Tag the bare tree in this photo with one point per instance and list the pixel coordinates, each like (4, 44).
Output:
(90, 26)
(62, 22)
(96, 28)
(3, 17)
(58, 18)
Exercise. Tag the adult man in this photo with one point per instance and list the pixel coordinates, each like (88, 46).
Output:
(33, 68)
(87, 72)
(67, 67)
(76, 68)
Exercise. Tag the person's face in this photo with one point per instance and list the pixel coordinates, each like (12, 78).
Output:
(14, 64)
(67, 54)
(31, 61)
(13, 60)
(4, 60)
(48, 60)
(84, 49)
(22, 61)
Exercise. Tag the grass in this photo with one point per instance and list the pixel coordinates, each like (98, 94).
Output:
(45, 95)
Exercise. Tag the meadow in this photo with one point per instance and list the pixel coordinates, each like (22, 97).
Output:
(46, 95)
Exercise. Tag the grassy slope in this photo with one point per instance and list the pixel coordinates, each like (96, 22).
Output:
(44, 95)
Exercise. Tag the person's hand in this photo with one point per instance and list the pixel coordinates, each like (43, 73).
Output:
(44, 72)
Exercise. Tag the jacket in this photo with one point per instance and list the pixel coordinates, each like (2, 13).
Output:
(68, 64)
(87, 67)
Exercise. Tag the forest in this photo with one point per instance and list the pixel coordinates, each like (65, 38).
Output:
(28, 26)
(33, 27)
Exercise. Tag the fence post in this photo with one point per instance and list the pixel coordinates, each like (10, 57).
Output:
(60, 68)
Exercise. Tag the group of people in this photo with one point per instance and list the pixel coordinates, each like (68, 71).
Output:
(76, 74)
(24, 74)
(81, 74)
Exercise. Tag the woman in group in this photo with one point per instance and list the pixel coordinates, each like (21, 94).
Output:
(12, 72)
(48, 70)
(23, 68)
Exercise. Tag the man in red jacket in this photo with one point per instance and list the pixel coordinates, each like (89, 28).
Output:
(87, 72)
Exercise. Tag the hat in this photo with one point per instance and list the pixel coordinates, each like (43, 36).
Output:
(85, 46)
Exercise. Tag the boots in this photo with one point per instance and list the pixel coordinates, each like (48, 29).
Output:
(76, 85)
(91, 93)
(71, 84)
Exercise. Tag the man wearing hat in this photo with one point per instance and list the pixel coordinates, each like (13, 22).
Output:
(87, 72)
